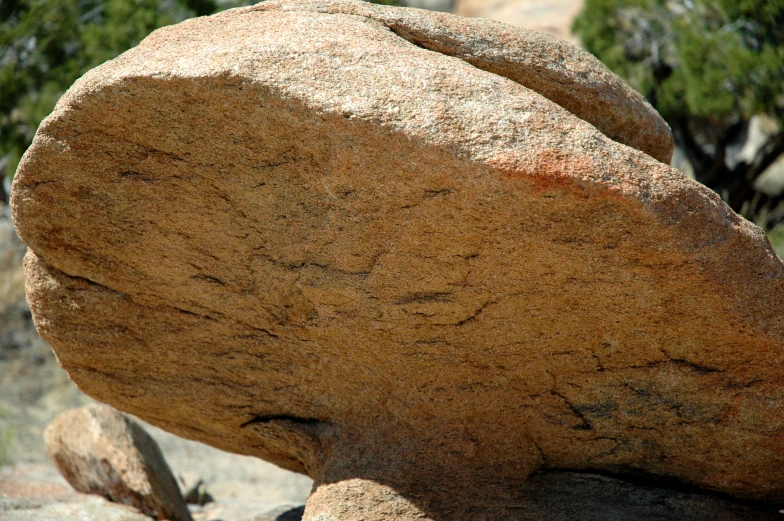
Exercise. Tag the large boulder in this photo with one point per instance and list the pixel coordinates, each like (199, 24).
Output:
(414, 256)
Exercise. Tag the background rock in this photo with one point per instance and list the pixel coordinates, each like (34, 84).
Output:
(37, 492)
(100, 451)
(243, 487)
(32, 480)
(771, 182)
(553, 17)
(446, 6)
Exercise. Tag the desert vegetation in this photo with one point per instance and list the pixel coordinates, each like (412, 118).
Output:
(713, 69)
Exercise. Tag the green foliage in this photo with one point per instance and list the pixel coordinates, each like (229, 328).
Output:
(46, 45)
(776, 237)
(713, 59)
(707, 66)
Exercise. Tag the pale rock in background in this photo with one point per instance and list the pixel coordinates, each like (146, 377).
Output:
(771, 182)
(549, 16)
(71, 507)
(101, 451)
(446, 6)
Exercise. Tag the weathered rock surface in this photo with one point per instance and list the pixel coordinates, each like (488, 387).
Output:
(100, 451)
(381, 247)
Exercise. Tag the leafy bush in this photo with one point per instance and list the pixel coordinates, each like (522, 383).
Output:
(707, 66)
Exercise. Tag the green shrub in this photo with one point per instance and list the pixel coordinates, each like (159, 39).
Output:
(776, 237)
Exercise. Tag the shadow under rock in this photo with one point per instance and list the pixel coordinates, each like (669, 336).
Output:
(282, 514)
(550, 495)
(592, 497)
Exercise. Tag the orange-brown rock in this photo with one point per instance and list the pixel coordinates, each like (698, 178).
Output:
(385, 248)
(100, 451)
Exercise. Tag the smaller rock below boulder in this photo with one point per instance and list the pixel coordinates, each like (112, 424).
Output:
(100, 451)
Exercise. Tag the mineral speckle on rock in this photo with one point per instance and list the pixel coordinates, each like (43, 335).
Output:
(364, 244)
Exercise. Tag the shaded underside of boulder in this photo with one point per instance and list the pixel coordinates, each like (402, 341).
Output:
(552, 495)
(289, 232)
(566, 496)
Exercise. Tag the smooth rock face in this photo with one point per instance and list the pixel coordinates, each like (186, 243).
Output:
(349, 240)
(100, 451)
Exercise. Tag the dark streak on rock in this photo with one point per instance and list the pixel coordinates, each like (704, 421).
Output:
(130, 174)
(585, 425)
(280, 417)
(210, 279)
(473, 315)
(425, 298)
